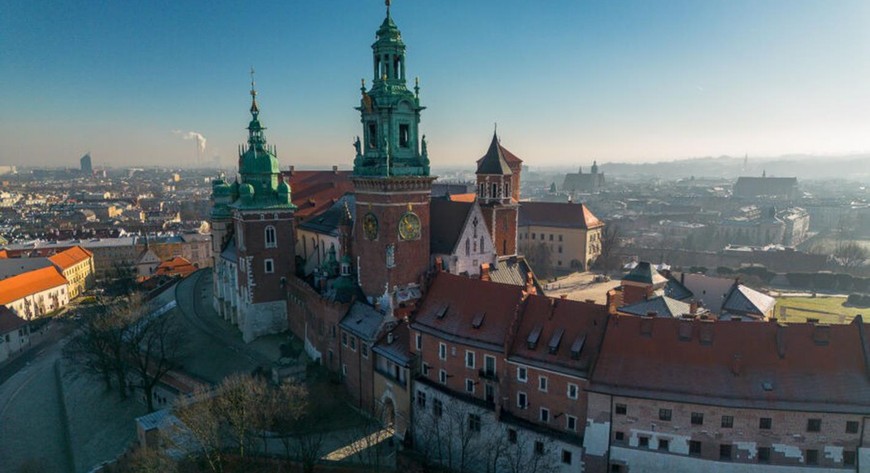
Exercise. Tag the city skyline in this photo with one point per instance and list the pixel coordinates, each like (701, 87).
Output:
(633, 82)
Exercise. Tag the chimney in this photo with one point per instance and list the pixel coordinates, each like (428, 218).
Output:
(683, 278)
(614, 300)
(439, 264)
(484, 272)
(822, 334)
(693, 307)
(736, 364)
(563, 296)
(335, 169)
(652, 313)
(291, 169)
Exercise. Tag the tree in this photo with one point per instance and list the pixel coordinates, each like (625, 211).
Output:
(538, 256)
(850, 254)
(98, 345)
(153, 346)
(610, 245)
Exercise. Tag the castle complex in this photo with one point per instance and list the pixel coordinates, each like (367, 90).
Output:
(439, 327)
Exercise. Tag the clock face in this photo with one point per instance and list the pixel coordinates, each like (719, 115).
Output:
(409, 226)
(370, 226)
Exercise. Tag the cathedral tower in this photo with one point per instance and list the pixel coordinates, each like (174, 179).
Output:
(263, 219)
(391, 175)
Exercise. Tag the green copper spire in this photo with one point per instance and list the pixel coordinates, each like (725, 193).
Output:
(390, 113)
(261, 184)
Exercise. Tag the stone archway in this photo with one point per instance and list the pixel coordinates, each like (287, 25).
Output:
(388, 417)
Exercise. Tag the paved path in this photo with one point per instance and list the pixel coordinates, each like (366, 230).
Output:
(31, 432)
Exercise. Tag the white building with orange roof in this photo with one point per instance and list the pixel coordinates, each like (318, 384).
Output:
(77, 266)
(35, 293)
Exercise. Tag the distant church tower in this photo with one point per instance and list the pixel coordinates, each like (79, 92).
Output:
(258, 214)
(391, 175)
(498, 196)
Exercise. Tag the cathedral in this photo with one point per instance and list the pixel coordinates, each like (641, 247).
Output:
(376, 241)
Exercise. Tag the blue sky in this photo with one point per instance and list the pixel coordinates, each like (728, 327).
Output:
(567, 81)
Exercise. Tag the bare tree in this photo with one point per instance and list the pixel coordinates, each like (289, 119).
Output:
(538, 255)
(153, 346)
(98, 346)
(610, 245)
(850, 254)
(200, 432)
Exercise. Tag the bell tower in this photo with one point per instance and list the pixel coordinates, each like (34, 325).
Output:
(497, 186)
(391, 176)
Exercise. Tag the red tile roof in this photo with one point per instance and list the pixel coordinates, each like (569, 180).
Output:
(31, 282)
(747, 364)
(565, 325)
(70, 257)
(315, 191)
(453, 305)
(557, 214)
(9, 322)
(175, 266)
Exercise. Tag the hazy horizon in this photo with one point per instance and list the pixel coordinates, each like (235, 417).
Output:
(568, 83)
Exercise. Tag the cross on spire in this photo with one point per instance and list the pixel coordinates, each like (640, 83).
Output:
(254, 108)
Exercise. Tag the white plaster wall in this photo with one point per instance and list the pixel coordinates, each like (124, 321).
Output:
(458, 262)
(651, 460)
(596, 439)
(864, 460)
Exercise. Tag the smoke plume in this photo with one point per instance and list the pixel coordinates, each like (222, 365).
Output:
(192, 135)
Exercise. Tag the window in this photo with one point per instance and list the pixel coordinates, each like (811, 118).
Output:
(560, 248)
(437, 408)
(763, 454)
(542, 383)
(664, 445)
(344, 338)
(572, 391)
(643, 442)
(849, 458)
(571, 423)
(404, 136)
(442, 351)
(551, 237)
(442, 376)
(512, 436)
(353, 343)
(421, 399)
(615, 468)
(725, 451)
(695, 448)
(812, 457)
(425, 369)
(469, 359)
(727, 422)
(344, 369)
(474, 422)
(489, 365)
(665, 414)
(852, 427)
(522, 374)
(271, 241)
(539, 447)
(269, 266)
(522, 401)
(373, 135)
(697, 418)
(560, 237)
(545, 415)
(566, 457)
(814, 425)
(765, 423)
(418, 340)
(621, 409)
(469, 385)
(533, 236)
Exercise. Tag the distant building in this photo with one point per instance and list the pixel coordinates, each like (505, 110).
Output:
(35, 293)
(86, 166)
(77, 266)
(579, 182)
(770, 187)
(571, 233)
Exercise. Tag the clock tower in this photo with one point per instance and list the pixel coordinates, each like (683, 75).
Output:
(391, 177)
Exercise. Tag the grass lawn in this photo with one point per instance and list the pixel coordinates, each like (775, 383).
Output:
(827, 309)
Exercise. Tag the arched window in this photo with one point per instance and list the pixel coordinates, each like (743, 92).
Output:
(271, 240)
(467, 247)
